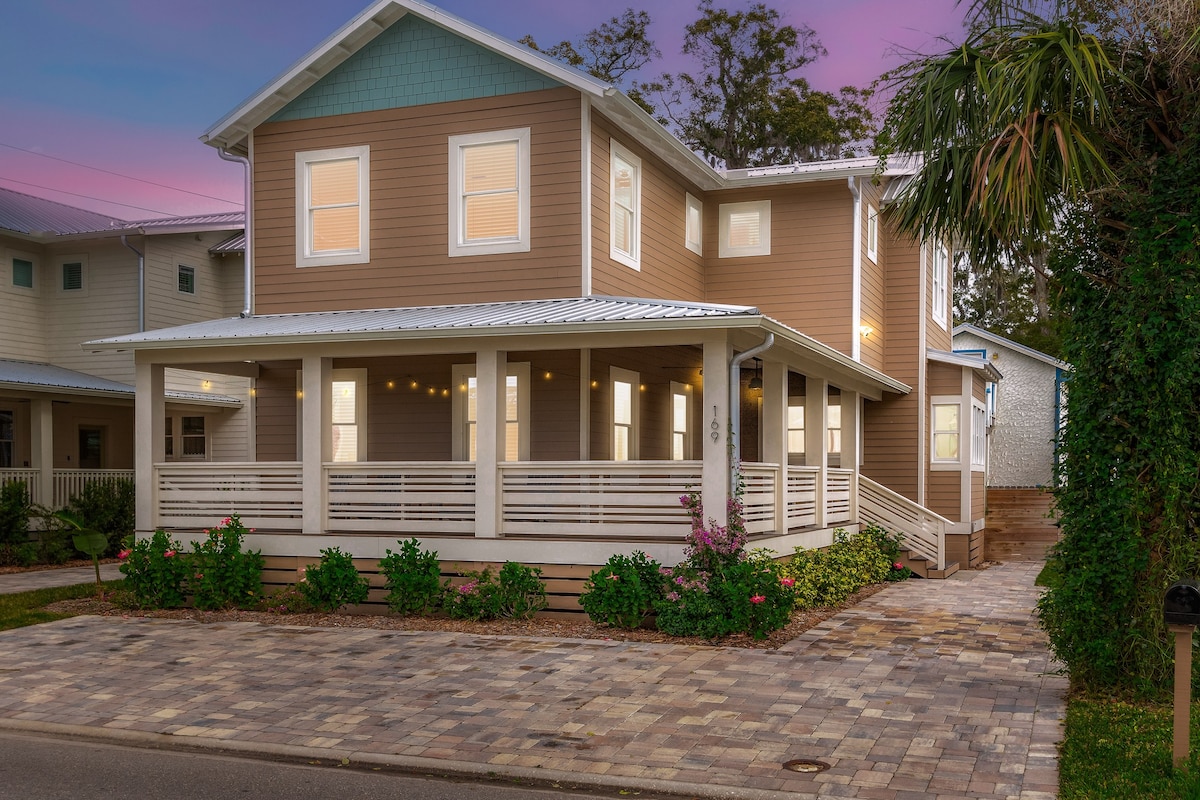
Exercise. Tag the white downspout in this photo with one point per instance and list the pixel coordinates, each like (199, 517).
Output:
(735, 407)
(248, 227)
(856, 284)
(141, 283)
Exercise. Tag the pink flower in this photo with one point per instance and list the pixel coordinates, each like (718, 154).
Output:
(756, 599)
(226, 521)
(124, 554)
(672, 596)
(897, 565)
(168, 553)
(613, 577)
(788, 582)
(206, 530)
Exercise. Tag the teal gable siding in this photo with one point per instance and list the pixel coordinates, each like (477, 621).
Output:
(413, 63)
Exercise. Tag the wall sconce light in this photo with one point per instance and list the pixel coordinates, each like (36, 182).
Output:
(865, 331)
(206, 384)
(756, 383)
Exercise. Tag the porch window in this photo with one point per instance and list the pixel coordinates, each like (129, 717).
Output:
(6, 439)
(979, 417)
(333, 206)
(626, 207)
(193, 438)
(872, 232)
(169, 445)
(745, 229)
(347, 414)
(833, 417)
(625, 386)
(946, 429)
(941, 277)
(516, 412)
(489, 193)
(693, 224)
(795, 432)
(681, 412)
(22, 273)
(91, 448)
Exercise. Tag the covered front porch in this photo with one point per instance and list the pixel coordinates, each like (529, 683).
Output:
(544, 432)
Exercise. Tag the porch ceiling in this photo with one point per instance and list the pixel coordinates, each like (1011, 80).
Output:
(568, 317)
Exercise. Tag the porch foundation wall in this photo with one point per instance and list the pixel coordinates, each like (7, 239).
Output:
(966, 548)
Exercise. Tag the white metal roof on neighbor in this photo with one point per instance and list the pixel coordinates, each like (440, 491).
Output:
(36, 216)
(996, 338)
(30, 375)
(234, 244)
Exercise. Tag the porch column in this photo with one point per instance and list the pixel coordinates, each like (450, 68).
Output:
(774, 439)
(41, 428)
(816, 437)
(714, 421)
(149, 423)
(491, 373)
(316, 438)
(851, 434)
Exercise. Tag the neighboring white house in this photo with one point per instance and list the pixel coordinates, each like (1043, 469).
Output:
(1027, 408)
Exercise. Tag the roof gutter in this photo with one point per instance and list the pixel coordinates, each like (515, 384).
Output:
(141, 282)
(735, 415)
(248, 227)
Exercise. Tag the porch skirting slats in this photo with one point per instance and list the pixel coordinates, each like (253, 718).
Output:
(405, 498)
(266, 496)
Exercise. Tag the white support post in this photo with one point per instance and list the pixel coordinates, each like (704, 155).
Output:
(150, 428)
(775, 449)
(317, 433)
(41, 425)
(491, 372)
(851, 417)
(816, 438)
(714, 420)
(585, 404)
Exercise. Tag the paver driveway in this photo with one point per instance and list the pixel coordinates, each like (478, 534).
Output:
(928, 689)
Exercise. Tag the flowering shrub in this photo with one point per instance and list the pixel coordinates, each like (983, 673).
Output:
(622, 593)
(827, 577)
(334, 582)
(222, 574)
(413, 578)
(715, 546)
(155, 571)
(518, 593)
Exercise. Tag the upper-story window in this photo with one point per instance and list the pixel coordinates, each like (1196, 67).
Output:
(625, 228)
(946, 430)
(72, 275)
(872, 232)
(941, 279)
(187, 279)
(745, 229)
(489, 193)
(693, 224)
(333, 206)
(22, 273)
(979, 422)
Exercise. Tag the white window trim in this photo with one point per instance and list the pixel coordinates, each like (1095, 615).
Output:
(685, 390)
(82, 260)
(634, 258)
(635, 380)
(459, 440)
(763, 248)
(979, 442)
(940, 289)
(362, 254)
(935, 463)
(693, 234)
(10, 278)
(359, 376)
(458, 245)
(872, 233)
(796, 402)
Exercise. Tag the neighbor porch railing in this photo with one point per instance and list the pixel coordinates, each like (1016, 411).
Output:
(924, 531)
(29, 476)
(69, 483)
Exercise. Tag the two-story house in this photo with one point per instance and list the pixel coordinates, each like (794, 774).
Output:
(68, 275)
(500, 308)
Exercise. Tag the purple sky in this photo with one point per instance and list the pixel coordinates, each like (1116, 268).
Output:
(127, 86)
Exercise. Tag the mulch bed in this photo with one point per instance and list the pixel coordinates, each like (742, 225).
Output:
(539, 627)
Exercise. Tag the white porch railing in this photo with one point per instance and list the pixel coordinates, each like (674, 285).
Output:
(199, 495)
(69, 483)
(416, 498)
(610, 499)
(801, 497)
(839, 493)
(924, 531)
(758, 496)
(29, 476)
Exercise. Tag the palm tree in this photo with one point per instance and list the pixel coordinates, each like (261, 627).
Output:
(1073, 134)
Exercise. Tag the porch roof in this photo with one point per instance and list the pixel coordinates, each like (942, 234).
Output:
(35, 376)
(576, 315)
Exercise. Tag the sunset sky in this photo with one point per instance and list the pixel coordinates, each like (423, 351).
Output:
(127, 86)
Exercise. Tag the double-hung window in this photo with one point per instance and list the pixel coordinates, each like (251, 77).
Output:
(693, 225)
(516, 412)
(872, 232)
(979, 418)
(681, 413)
(489, 193)
(941, 278)
(947, 430)
(625, 213)
(333, 208)
(625, 388)
(795, 431)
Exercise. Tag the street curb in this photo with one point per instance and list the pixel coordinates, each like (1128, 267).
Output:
(412, 764)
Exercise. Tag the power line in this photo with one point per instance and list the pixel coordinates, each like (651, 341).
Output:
(88, 197)
(120, 175)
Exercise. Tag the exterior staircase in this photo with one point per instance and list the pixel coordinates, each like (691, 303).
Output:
(924, 532)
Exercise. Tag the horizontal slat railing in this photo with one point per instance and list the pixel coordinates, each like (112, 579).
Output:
(801, 497)
(758, 496)
(265, 495)
(410, 498)
(30, 478)
(597, 499)
(839, 486)
(924, 531)
(69, 483)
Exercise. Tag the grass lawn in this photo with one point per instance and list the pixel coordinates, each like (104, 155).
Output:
(1114, 749)
(25, 608)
